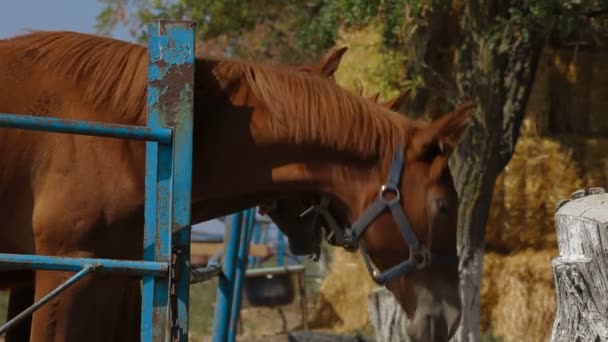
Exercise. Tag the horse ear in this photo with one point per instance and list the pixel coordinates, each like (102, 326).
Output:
(399, 101)
(331, 61)
(374, 97)
(442, 135)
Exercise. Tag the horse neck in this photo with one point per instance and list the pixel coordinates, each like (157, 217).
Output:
(239, 175)
(239, 162)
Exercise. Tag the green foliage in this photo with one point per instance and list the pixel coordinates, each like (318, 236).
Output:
(383, 70)
(560, 22)
(303, 27)
(298, 30)
(291, 29)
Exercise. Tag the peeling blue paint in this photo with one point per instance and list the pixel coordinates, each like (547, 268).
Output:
(170, 103)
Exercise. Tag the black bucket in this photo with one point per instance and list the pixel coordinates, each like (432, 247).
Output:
(269, 290)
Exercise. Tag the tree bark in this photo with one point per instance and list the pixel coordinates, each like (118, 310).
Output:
(581, 269)
(387, 317)
(498, 79)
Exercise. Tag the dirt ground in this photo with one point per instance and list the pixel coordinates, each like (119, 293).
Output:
(264, 324)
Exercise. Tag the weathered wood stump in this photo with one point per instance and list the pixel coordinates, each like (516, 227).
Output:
(387, 317)
(581, 270)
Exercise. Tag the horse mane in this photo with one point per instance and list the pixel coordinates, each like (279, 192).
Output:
(308, 109)
(304, 108)
(111, 74)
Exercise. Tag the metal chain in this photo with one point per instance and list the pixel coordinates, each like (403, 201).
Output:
(175, 328)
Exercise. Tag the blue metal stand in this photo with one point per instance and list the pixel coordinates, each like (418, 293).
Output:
(165, 270)
(237, 240)
(221, 320)
(241, 268)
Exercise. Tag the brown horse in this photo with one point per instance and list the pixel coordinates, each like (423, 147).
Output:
(82, 196)
(302, 232)
(295, 216)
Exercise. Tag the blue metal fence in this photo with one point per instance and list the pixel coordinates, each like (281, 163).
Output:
(165, 268)
(244, 229)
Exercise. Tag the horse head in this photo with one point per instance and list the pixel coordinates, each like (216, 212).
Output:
(306, 219)
(409, 229)
(386, 177)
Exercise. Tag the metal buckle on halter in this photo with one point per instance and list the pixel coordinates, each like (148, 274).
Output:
(386, 189)
(350, 243)
(421, 257)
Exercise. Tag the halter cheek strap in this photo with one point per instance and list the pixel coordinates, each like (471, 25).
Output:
(420, 256)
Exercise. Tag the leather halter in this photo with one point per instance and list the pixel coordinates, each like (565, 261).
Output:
(420, 256)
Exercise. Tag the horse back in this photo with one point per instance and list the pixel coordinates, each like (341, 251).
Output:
(50, 179)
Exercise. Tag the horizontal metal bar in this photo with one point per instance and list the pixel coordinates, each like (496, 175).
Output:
(53, 263)
(213, 269)
(274, 270)
(83, 127)
(87, 268)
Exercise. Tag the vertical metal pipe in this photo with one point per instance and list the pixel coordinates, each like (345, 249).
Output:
(221, 320)
(180, 48)
(255, 238)
(280, 249)
(168, 176)
(239, 276)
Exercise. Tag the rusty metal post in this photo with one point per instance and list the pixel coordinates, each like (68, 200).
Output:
(169, 179)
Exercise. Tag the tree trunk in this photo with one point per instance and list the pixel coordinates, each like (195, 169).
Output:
(387, 317)
(498, 79)
(581, 270)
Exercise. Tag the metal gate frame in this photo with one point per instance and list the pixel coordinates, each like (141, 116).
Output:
(165, 269)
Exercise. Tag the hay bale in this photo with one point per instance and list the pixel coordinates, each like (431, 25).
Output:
(542, 171)
(590, 156)
(341, 304)
(518, 296)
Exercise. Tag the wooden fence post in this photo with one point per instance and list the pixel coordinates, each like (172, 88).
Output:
(581, 269)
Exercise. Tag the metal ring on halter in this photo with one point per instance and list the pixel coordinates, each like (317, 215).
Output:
(420, 257)
(386, 188)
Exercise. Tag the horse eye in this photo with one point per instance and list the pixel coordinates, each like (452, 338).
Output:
(429, 152)
(442, 206)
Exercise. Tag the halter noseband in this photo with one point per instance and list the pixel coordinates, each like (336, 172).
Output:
(420, 256)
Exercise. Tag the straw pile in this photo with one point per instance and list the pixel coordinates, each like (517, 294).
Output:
(342, 300)
(517, 295)
(521, 216)
(541, 172)
(568, 97)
